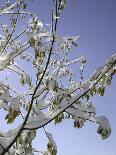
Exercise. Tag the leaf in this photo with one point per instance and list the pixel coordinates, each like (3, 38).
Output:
(51, 149)
(67, 116)
(24, 6)
(108, 80)
(41, 56)
(101, 90)
(51, 146)
(51, 84)
(59, 118)
(93, 91)
(25, 79)
(62, 4)
(78, 123)
(104, 128)
(10, 117)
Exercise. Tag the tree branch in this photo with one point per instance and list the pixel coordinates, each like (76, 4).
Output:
(73, 102)
(32, 99)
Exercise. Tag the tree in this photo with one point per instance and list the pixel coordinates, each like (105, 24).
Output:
(45, 97)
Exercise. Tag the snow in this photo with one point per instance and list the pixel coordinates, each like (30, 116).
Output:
(86, 107)
(41, 105)
(38, 121)
(77, 113)
(10, 133)
(86, 85)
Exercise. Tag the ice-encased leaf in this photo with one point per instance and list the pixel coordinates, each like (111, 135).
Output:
(101, 90)
(104, 128)
(51, 84)
(51, 140)
(78, 123)
(62, 4)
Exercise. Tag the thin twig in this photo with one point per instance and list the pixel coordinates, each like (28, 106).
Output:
(18, 36)
(18, 13)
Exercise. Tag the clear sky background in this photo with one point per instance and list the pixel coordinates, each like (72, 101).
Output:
(95, 22)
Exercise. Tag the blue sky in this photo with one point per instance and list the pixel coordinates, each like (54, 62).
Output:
(95, 22)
